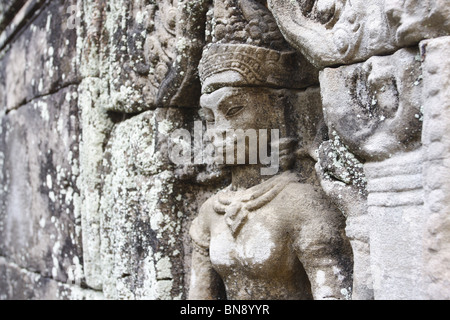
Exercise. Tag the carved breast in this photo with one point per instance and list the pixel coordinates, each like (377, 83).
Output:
(258, 247)
(259, 260)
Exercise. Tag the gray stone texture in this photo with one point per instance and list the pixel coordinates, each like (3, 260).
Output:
(41, 61)
(92, 207)
(396, 213)
(334, 32)
(20, 284)
(8, 9)
(142, 210)
(436, 141)
(40, 229)
(375, 106)
(40, 225)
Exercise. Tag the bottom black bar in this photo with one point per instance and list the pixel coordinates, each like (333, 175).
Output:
(170, 310)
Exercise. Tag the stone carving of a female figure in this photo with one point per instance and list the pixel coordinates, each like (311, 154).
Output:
(263, 237)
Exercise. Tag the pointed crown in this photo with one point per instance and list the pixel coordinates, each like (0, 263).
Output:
(247, 49)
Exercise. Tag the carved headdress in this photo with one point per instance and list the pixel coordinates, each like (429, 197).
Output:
(248, 49)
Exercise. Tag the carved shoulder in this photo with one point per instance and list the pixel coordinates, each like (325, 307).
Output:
(308, 211)
(305, 200)
(200, 228)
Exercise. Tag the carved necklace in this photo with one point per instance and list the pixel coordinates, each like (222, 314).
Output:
(237, 205)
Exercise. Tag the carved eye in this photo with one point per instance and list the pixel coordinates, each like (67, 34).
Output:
(234, 111)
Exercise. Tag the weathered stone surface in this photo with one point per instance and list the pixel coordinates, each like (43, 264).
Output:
(144, 209)
(270, 246)
(39, 227)
(154, 50)
(96, 128)
(265, 60)
(396, 222)
(308, 131)
(436, 167)
(375, 107)
(21, 284)
(20, 18)
(272, 234)
(139, 227)
(93, 203)
(41, 61)
(102, 268)
(8, 9)
(334, 32)
(342, 178)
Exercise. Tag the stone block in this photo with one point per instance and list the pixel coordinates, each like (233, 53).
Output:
(143, 210)
(96, 128)
(396, 222)
(436, 140)
(20, 284)
(42, 60)
(39, 226)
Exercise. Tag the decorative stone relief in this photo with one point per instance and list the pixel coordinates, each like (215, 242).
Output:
(262, 237)
(376, 107)
(334, 32)
(321, 171)
(375, 110)
(155, 48)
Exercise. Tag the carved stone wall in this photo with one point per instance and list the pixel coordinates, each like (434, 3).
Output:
(93, 205)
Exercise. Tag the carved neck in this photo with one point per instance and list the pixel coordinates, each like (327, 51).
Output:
(247, 176)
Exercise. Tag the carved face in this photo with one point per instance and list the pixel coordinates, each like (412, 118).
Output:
(327, 31)
(375, 106)
(244, 109)
(332, 32)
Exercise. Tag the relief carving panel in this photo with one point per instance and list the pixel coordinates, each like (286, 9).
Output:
(333, 87)
(376, 106)
(154, 52)
(318, 167)
(333, 32)
(273, 236)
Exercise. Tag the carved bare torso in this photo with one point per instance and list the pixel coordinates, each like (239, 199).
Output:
(260, 263)
(266, 241)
